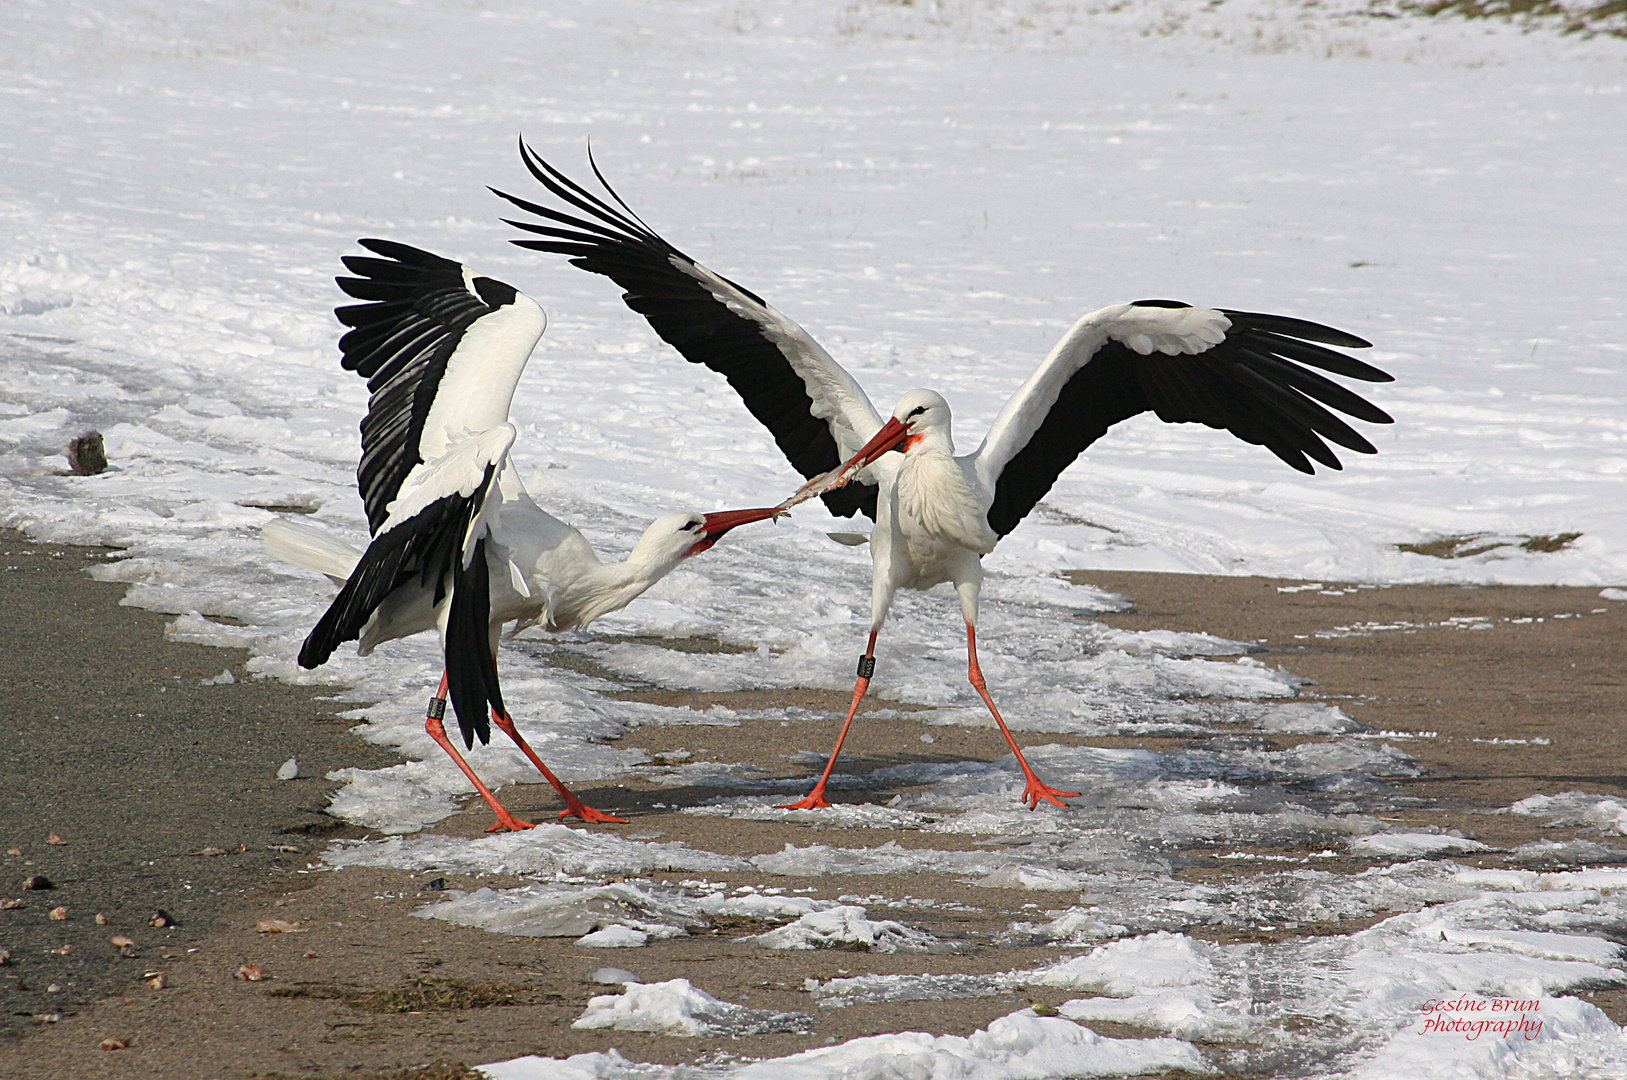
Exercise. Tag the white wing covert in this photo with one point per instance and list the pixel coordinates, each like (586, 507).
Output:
(1241, 371)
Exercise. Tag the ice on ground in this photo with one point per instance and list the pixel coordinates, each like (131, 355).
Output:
(838, 816)
(677, 1007)
(615, 937)
(1576, 808)
(633, 913)
(1020, 1046)
(547, 850)
(847, 927)
(564, 910)
(1564, 1037)
(1413, 845)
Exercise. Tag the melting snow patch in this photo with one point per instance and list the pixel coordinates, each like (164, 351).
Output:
(676, 1007)
(1132, 966)
(1307, 718)
(1413, 845)
(846, 927)
(1576, 808)
(615, 937)
(546, 849)
(838, 816)
(1559, 1037)
(1020, 1046)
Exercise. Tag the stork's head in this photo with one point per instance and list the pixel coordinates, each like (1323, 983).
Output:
(924, 413)
(920, 416)
(674, 537)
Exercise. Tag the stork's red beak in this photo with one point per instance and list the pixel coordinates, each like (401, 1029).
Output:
(890, 437)
(721, 522)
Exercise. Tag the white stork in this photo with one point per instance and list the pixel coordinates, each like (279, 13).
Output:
(458, 546)
(937, 514)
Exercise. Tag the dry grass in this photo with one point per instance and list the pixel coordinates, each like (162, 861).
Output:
(420, 995)
(1600, 18)
(1471, 544)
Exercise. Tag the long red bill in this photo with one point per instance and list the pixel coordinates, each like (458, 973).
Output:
(718, 524)
(892, 433)
(890, 437)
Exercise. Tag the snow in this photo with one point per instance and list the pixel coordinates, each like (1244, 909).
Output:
(935, 191)
(676, 1007)
(1020, 1046)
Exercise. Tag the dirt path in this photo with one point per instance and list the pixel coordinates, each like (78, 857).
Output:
(364, 989)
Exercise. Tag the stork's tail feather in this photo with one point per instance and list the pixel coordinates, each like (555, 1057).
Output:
(313, 548)
(471, 669)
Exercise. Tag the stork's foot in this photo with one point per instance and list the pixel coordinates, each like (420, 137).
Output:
(1038, 789)
(507, 822)
(588, 814)
(815, 801)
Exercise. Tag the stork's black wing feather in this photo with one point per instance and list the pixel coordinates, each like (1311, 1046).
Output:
(689, 317)
(1252, 384)
(417, 307)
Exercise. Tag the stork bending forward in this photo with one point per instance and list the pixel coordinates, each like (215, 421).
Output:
(458, 545)
(936, 515)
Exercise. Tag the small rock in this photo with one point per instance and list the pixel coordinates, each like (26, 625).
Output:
(121, 942)
(114, 1044)
(48, 1018)
(38, 882)
(309, 955)
(157, 980)
(289, 848)
(208, 851)
(162, 919)
(86, 455)
(54, 839)
(435, 884)
(289, 770)
(10, 902)
(276, 926)
(66, 950)
(102, 919)
(59, 914)
(14, 851)
(5, 956)
(54, 988)
(250, 973)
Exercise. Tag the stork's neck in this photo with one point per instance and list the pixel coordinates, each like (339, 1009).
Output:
(605, 587)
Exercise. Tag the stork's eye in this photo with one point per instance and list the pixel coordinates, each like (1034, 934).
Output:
(691, 526)
(917, 411)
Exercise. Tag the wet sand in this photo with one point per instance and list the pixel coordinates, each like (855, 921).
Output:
(363, 989)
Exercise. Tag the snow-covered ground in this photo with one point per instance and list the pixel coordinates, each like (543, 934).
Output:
(935, 190)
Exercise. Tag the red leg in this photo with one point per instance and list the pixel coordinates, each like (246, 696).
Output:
(1036, 789)
(573, 805)
(816, 798)
(437, 731)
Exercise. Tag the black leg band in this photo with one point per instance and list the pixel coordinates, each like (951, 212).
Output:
(437, 708)
(867, 666)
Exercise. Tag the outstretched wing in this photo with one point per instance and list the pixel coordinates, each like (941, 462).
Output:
(441, 347)
(1237, 370)
(434, 539)
(816, 412)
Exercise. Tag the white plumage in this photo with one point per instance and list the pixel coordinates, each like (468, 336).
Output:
(458, 545)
